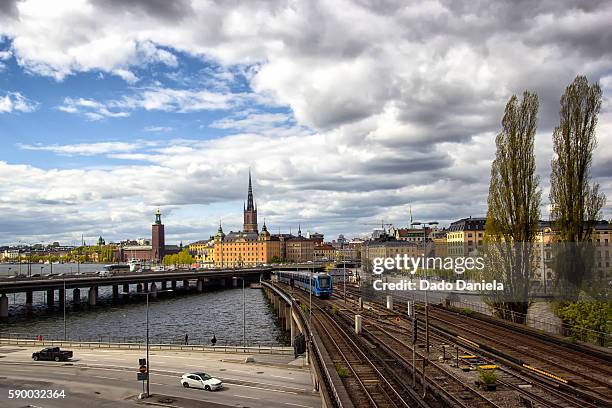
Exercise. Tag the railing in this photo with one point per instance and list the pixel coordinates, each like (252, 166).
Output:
(552, 326)
(316, 357)
(177, 346)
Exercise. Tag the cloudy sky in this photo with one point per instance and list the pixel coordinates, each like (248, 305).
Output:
(346, 112)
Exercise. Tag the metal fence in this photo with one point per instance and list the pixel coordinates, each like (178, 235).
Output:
(133, 342)
(17, 339)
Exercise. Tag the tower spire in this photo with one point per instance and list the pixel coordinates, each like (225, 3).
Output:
(250, 212)
(250, 205)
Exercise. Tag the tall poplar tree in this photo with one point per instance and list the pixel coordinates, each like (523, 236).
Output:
(576, 201)
(513, 208)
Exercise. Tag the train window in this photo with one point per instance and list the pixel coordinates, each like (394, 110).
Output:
(323, 282)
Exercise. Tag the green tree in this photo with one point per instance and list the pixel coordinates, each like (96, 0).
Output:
(576, 201)
(513, 209)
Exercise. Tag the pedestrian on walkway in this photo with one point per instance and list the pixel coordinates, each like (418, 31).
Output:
(186, 339)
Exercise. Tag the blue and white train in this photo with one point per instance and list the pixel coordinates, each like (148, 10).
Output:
(322, 283)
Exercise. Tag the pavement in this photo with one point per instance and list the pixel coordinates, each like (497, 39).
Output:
(107, 378)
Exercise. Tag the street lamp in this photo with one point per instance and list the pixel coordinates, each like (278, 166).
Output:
(147, 340)
(425, 267)
(64, 302)
(243, 313)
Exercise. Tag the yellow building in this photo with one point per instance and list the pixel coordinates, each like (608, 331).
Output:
(238, 249)
(203, 252)
(601, 237)
(387, 247)
(466, 236)
(324, 253)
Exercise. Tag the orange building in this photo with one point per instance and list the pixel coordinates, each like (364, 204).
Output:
(247, 247)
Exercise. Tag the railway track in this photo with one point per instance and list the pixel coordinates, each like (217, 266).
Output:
(528, 394)
(567, 373)
(381, 374)
(367, 385)
(562, 365)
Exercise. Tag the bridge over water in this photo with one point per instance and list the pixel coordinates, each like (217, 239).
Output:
(145, 282)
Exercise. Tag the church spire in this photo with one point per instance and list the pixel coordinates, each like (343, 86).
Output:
(250, 206)
(250, 212)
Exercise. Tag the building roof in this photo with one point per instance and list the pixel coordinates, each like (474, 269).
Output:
(200, 242)
(468, 224)
(137, 248)
(234, 236)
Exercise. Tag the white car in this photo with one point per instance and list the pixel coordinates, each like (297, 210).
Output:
(201, 380)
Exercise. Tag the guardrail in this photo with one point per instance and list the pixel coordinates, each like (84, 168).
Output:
(333, 399)
(226, 349)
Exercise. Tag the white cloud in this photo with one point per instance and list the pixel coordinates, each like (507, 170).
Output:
(388, 104)
(157, 129)
(16, 102)
(84, 149)
(90, 108)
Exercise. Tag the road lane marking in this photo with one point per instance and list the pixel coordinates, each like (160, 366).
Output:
(297, 405)
(244, 396)
(280, 376)
(106, 378)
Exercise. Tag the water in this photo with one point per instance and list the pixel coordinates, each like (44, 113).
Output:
(67, 268)
(171, 316)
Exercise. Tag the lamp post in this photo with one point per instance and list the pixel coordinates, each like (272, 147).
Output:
(64, 302)
(147, 338)
(310, 300)
(344, 278)
(424, 224)
(243, 313)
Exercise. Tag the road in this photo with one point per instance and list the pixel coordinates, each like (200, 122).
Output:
(107, 378)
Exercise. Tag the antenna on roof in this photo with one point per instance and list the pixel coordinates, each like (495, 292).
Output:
(411, 217)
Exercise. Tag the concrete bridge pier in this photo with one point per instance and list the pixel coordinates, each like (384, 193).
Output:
(50, 297)
(222, 282)
(153, 290)
(200, 286)
(185, 284)
(125, 290)
(293, 331)
(163, 285)
(115, 292)
(62, 296)
(3, 306)
(76, 296)
(92, 295)
(173, 285)
(288, 318)
(234, 283)
(96, 291)
(29, 297)
(139, 287)
(145, 287)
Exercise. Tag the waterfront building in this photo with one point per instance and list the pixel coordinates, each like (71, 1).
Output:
(248, 247)
(154, 251)
(299, 249)
(324, 252)
(203, 252)
(317, 238)
(158, 239)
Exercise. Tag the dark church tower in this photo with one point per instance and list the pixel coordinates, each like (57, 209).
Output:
(250, 211)
(158, 239)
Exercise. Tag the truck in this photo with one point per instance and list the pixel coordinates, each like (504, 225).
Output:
(52, 353)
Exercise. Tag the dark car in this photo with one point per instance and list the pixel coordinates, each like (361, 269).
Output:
(52, 353)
